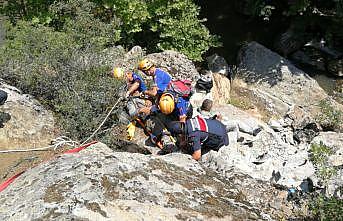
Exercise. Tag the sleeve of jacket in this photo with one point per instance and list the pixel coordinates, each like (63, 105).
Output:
(194, 139)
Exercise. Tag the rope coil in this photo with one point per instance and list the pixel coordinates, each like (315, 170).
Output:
(55, 144)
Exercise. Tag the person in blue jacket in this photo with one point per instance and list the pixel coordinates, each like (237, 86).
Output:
(135, 87)
(198, 133)
(181, 107)
(160, 77)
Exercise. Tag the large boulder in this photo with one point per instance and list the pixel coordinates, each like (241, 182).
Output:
(99, 184)
(273, 80)
(30, 125)
(175, 63)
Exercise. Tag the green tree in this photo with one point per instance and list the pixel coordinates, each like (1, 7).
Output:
(154, 24)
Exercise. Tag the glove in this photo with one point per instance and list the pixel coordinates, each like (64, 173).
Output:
(130, 129)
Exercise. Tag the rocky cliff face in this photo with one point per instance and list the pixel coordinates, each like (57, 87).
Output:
(99, 184)
(247, 180)
(275, 84)
(30, 124)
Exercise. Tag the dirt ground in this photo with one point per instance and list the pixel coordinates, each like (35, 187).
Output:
(13, 163)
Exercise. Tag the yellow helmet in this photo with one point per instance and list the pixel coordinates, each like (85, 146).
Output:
(145, 65)
(118, 73)
(166, 103)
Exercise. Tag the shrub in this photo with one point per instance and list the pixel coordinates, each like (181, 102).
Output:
(330, 118)
(45, 63)
(156, 24)
(319, 154)
(323, 208)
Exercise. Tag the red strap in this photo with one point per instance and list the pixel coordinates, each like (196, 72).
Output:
(78, 149)
(9, 181)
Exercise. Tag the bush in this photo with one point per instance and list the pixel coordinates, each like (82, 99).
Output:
(330, 118)
(45, 63)
(323, 208)
(319, 154)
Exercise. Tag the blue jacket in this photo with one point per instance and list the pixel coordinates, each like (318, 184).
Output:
(161, 80)
(136, 78)
(206, 133)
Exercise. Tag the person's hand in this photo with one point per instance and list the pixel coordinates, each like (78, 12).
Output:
(142, 95)
(127, 95)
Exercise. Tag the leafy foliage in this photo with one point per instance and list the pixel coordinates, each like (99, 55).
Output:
(154, 24)
(319, 154)
(45, 63)
(330, 118)
(324, 208)
(180, 30)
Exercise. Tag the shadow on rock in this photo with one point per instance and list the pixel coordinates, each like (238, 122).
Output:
(126, 146)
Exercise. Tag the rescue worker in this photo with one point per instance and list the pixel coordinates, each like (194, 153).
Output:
(160, 77)
(198, 134)
(134, 97)
(231, 125)
(162, 81)
(136, 87)
(176, 108)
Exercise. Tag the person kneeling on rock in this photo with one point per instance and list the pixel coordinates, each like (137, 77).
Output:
(198, 134)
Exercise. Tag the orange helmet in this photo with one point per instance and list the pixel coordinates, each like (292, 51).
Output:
(145, 65)
(166, 103)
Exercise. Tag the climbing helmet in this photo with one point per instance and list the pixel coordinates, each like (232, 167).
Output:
(166, 103)
(145, 65)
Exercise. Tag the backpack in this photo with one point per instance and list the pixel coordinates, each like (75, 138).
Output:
(204, 85)
(182, 88)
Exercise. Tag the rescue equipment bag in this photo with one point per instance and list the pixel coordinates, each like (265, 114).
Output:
(182, 88)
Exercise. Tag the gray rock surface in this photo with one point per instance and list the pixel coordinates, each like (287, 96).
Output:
(276, 82)
(30, 125)
(99, 184)
(334, 141)
(263, 155)
(175, 63)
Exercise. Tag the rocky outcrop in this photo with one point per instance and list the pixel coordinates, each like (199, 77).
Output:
(175, 63)
(334, 141)
(30, 125)
(99, 184)
(221, 89)
(262, 156)
(275, 82)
